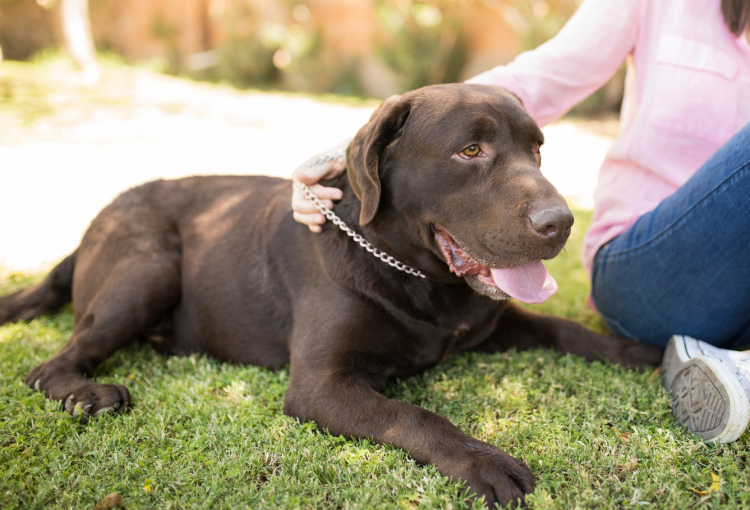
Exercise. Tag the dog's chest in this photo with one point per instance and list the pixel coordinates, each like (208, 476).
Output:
(429, 350)
(455, 329)
(457, 339)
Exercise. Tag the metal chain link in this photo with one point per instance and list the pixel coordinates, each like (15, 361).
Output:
(312, 197)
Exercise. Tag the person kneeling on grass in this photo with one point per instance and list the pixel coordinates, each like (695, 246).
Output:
(667, 250)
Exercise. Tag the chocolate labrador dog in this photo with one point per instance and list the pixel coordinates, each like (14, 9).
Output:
(444, 179)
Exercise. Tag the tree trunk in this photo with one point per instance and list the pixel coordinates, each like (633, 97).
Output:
(78, 38)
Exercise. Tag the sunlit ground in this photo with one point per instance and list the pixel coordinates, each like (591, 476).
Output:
(66, 151)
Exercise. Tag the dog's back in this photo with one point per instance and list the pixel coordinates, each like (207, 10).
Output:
(237, 234)
(207, 242)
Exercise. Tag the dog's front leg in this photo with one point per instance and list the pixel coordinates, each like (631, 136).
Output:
(523, 329)
(343, 401)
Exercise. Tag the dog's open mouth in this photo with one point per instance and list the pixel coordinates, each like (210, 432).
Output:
(530, 283)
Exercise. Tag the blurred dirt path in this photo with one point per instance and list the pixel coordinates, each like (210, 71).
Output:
(56, 175)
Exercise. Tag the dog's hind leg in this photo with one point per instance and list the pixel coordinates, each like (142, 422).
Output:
(136, 290)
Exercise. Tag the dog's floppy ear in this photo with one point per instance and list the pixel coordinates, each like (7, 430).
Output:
(365, 151)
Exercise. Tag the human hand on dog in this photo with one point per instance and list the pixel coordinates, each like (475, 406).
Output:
(304, 211)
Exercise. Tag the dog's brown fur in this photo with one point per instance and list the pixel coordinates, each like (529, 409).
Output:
(217, 265)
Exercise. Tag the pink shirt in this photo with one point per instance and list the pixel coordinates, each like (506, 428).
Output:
(687, 91)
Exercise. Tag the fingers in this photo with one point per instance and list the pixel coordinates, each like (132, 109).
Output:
(311, 220)
(305, 211)
(312, 174)
(301, 205)
(326, 195)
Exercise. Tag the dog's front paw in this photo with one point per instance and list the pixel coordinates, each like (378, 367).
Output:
(492, 473)
(80, 397)
(95, 399)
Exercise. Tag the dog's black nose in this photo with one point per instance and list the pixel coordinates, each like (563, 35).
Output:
(553, 221)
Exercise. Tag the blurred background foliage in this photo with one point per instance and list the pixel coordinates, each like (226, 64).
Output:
(370, 48)
(25, 28)
(422, 42)
(538, 21)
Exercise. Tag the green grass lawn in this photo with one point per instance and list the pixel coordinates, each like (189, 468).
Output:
(203, 434)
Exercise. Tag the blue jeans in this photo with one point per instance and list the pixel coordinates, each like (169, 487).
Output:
(684, 268)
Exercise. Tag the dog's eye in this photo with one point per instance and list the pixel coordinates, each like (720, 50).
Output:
(471, 151)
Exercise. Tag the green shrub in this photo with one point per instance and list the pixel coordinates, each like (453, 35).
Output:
(421, 42)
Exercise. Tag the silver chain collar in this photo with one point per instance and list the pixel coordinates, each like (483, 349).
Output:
(328, 213)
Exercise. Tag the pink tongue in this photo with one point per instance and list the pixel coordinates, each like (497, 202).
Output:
(530, 283)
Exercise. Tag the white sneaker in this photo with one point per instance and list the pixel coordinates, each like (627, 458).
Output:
(709, 388)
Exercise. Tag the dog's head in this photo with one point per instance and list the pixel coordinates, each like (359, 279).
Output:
(448, 176)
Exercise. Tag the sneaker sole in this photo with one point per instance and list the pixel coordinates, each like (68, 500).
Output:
(707, 398)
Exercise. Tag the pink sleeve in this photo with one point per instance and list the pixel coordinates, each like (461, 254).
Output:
(562, 72)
